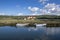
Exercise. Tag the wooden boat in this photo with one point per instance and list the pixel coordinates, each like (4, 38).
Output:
(40, 24)
(21, 24)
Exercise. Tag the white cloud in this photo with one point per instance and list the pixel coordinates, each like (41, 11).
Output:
(50, 6)
(34, 14)
(20, 14)
(2, 14)
(43, 11)
(43, 1)
(33, 9)
(51, 9)
(29, 7)
(48, 9)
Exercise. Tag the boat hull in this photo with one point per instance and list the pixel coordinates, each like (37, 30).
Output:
(40, 24)
(21, 24)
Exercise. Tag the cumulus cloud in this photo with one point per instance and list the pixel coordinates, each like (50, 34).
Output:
(48, 9)
(51, 9)
(43, 1)
(33, 9)
(43, 11)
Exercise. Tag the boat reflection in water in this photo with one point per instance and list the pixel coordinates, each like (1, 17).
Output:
(29, 33)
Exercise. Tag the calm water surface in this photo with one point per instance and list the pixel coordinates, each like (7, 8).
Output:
(29, 33)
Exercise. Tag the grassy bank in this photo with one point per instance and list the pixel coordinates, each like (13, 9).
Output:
(13, 22)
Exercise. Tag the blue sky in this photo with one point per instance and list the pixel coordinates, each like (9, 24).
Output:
(29, 7)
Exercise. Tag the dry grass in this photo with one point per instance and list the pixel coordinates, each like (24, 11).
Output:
(14, 21)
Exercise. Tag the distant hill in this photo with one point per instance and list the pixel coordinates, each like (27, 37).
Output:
(37, 16)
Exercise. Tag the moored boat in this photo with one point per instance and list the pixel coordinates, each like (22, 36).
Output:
(40, 24)
(21, 24)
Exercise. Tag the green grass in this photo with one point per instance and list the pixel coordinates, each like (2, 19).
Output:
(12, 22)
(25, 21)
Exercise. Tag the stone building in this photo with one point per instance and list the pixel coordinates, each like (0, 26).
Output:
(30, 18)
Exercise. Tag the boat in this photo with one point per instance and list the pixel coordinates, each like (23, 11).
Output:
(21, 24)
(40, 24)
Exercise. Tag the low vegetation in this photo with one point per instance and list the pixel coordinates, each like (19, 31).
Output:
(12, 20)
